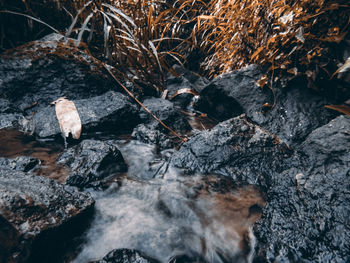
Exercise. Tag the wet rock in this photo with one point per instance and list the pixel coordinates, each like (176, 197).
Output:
(184, 79)
(37, 73)
(307, 216)
(297, 112)
(166, 112)
(232, 94)
(37, 215)
(21, 163)
(147, 134)
(235, 148)
(126, 256)
(6, 106)
(12, 121)
(152, 132)
(111, 112)
(91, 161)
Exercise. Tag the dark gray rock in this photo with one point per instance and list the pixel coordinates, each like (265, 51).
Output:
(111, 112)
(148, 134)
(37, 73)
(6, 106)
(232, 94)
(184, 79)
(307, 218)
(91, 161)
(166, 112)
(152, 132)
(21, 163)
(235, 148)
(36, 216)
(297, 112)
(126, 256)
(12, 121)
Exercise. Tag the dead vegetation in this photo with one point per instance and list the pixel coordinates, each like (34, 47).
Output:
(143, 38)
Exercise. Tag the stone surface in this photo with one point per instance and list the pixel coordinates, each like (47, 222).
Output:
(37, 73)
(152, 132)
(21, 163)
(111, 112)
(184, 79)
(36, 215)
(13, 121)
(125, 256)
(91, 161)
(166, 112)
(307, 216)
(148, 134)
(297, 112)
(235, 148)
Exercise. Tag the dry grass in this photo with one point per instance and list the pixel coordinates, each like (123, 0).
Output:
(143, 38)
(298, 37)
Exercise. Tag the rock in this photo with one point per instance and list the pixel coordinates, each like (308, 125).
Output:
(232, 94)
(111, 112)
(235, 148)
(12, 121)
(297, 112)
(6, 106)
(147, 134)
(91, 161)
(152, 132)
(37, 215)
(21, 163)
(184, 79)
(166, 112)
(37, 73)
(307, 218)
(125, 256)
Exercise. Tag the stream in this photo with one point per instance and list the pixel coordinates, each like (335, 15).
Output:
(154, 208)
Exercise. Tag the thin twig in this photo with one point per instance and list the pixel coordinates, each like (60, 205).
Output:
(142, 105)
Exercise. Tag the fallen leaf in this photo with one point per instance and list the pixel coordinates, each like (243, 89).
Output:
(184, 90)
(68, 117)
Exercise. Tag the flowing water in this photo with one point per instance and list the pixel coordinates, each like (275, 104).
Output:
(157, 209)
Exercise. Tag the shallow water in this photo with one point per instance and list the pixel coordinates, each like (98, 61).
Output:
(171, 214)
(156, 209)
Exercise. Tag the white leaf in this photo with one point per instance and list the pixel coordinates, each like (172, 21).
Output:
(68, 117)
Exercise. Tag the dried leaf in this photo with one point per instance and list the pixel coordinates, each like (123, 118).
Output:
(340, 108)
(184, 90)
(68, 117)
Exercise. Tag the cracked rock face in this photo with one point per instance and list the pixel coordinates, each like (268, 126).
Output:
(307, 216)
(35, 209)
(234, 148)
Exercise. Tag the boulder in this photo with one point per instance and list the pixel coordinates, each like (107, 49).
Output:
(91, 161)
(38, 215)
(126, 256)
(296, 113)
(39, 72)
(235, 148)
(111, 112)
(307, 218)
